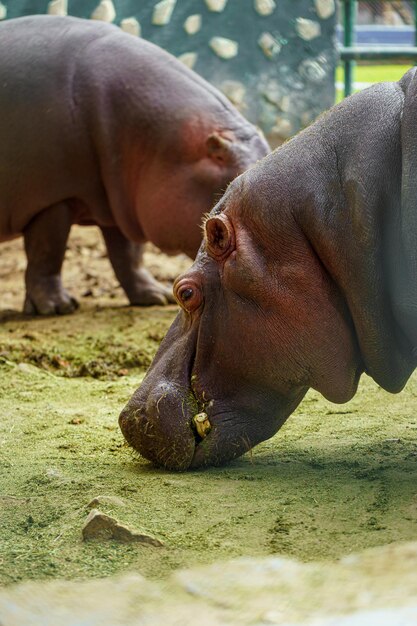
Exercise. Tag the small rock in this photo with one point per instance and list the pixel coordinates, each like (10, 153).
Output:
(162, 12)
(192, 24)
(202, 424)
(104, 12)
(28, 368)
(189, 59)
(307, 29)
(99, 526)
(76, 421)
(223, 47)
(234, 90)
(105, 500)
(216, 5)
(282, 128)
(132, 26)
(270, 46)
(325, 8)
(264, 7)
(58, 7)
(312, 70)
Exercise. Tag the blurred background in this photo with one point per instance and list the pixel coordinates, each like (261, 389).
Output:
(281, 62)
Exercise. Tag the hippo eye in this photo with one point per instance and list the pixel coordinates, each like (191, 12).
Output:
(188, 294)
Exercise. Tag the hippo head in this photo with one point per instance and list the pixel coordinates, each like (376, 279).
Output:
(195, 163)
(260, 322)
(305, 278)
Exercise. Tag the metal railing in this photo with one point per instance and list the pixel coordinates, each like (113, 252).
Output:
(349, 52)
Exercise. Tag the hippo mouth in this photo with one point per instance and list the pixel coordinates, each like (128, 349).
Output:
(191, 441)
(177, 432)
(176, 423)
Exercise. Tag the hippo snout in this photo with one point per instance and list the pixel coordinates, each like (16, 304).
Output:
(159, 426)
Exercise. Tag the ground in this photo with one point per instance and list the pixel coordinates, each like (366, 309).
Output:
(334, 480)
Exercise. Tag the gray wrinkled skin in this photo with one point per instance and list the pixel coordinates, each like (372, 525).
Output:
(307, 278)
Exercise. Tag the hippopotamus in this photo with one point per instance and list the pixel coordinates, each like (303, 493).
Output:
(100, 127)
(307, 277)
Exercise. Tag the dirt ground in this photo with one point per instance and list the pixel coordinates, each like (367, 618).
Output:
(334, 480)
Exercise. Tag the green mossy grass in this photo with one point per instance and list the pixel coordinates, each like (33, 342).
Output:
(334, 480)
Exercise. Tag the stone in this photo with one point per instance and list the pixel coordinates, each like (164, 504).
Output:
(265, 7)
(272, 92)
(101, 527)
(162, 12)
(325, 8)
(312, 70)
(283, 127)
(112, 500)
(193, 24)
(307, 29)
(216, 5)
(58, 7)
(189, 59)
(132, 26)
(202, 424)
(269, 45)
(105, 11)
(224, 48)
(234, 90)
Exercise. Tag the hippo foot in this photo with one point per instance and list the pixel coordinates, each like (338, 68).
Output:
(48, 297)
(148, 292)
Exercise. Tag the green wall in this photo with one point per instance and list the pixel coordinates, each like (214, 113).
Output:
(282, 87)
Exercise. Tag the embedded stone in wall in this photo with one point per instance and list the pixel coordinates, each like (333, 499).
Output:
(240, 46)
(105, 11)
(325, 8)
(192, 24)
(58, 7)
(269, 45)
(312, 70)
(307, 29)
(234, 90)
(162, 12)
(132, 26)
(189, 59)
(265, 7)
(216, 5)
(282, 128)
(223, 47)
(272, 92)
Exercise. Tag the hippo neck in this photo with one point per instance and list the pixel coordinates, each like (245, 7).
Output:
(351, 221)
(341, 182)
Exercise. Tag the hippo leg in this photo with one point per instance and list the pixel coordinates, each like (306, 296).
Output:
(45, 239)
(126, 258)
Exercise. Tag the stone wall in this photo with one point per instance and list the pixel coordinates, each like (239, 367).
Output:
(275, 59)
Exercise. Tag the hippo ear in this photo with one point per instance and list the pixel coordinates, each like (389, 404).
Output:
(220, 148)
(220, 237)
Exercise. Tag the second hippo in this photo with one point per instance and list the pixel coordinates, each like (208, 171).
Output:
(100, 127)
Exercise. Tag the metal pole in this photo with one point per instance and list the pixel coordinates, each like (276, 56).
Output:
(415, 24)
(348, 36)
